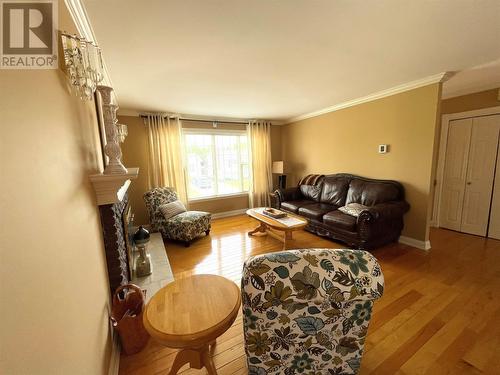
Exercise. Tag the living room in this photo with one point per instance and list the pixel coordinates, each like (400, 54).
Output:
(295, 187)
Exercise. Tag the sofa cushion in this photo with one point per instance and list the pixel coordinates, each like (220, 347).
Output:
(293, 206)
(311, 192)
(334, 190)
(371, 193)
(316, 211)
(340, 220)
(353, 209)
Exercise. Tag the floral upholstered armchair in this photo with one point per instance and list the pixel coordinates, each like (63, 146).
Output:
(307, 311)
(182, 227)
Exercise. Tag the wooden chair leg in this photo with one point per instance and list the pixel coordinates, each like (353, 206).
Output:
(212, 346)
(181, 358)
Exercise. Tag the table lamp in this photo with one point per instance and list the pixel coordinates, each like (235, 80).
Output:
(278, 168)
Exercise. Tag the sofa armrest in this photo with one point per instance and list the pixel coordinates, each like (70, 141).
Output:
(385, 219)
(384, 211)
(288, 194)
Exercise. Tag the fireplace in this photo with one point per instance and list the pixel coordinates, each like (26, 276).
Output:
(128, 225)
(115, 242)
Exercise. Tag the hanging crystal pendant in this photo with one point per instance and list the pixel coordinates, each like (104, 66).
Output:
(122, 131)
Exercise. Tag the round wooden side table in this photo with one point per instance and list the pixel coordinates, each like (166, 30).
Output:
(190, 314)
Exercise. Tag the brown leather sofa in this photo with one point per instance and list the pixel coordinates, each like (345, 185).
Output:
(378, 225)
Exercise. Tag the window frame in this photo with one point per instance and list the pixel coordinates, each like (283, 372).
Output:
(213, 132)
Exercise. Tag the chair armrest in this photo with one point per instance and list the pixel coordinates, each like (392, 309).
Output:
(288, 194)
(384, 211)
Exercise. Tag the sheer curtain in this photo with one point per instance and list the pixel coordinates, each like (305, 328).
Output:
(259, 135)
(165, 160)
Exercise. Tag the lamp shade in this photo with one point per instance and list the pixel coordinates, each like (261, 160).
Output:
(278, 167)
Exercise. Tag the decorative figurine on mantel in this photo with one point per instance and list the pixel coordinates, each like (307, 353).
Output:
(143, 262)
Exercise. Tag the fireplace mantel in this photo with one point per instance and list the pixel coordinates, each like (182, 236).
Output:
(111, 191)
(111, 188)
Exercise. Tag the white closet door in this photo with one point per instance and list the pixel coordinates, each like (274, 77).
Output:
(455, 173)
(480, 174)
(494, 227)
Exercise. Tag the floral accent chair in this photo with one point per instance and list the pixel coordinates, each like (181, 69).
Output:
(184, 227)
(307, 311)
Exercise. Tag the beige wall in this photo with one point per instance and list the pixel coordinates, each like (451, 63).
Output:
(477, 100)
(135, 154)
(347, 141)
(276, 153)
(54, 287)
(276, 142)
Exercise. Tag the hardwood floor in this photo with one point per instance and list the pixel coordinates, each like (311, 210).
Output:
(440, 313)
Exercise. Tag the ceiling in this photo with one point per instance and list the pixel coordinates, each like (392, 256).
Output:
(277, 59)
(479, 78)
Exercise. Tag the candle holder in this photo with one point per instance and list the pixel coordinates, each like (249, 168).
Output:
(112, 148)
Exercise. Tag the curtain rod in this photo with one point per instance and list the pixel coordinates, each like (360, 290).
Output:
(199, 120)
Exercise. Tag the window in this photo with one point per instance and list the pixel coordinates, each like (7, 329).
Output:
(217, 162)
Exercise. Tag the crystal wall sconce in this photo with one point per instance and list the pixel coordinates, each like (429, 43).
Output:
(84, 65)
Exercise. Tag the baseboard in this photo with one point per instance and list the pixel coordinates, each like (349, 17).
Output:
(114, 360)
(219, 215)
(423, 245)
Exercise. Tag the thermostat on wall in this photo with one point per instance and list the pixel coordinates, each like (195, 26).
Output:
(383, 149)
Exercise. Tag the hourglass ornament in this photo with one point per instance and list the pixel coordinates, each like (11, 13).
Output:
(143, 261)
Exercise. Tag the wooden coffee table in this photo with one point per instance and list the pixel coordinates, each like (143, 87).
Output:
(274, 228)
(190, 314)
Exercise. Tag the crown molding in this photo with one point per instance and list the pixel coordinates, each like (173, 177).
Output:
(82, 22)
(441, 77)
